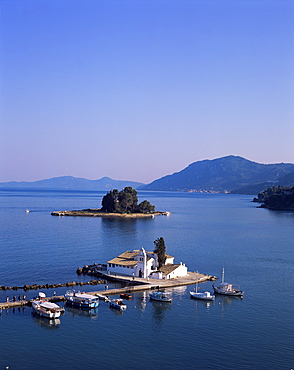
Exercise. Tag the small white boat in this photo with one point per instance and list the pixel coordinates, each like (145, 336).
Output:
(118, 304)
(81, 299)
(47, 309)
(228, 289)
(103, 297)
(160, 296)
(206, 296)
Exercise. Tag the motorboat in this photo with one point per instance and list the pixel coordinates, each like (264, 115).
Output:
(160, 296)
(46, 309)
(228, 289)
(81, 299)
(118, 304)
(126, 296)
(103, 297)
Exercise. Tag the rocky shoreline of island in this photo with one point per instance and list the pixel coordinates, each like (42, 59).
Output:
(98, 213)
(277, 198)
(118, 204)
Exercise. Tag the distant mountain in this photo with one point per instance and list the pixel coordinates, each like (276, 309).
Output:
(287, 180)
(73, 183)
(224, 174)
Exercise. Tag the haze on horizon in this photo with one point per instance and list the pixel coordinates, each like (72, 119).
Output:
(136, 90)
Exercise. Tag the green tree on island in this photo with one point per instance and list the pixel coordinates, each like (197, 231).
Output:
(109, 201)
(160, 249)
(125, 201)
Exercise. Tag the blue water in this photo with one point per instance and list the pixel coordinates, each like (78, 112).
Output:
(206, 231)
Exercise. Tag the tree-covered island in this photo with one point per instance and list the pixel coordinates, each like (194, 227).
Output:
(116, 203)
(280, 198)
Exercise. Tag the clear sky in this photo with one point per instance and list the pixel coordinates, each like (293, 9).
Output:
(138, 89)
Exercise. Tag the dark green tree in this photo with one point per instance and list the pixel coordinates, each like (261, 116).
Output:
(125, 201)
(109, 201)
(160, 250)
(133, 193)
(145, 207)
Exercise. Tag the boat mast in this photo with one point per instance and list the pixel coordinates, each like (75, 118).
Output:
(223, 275)
(196, 285)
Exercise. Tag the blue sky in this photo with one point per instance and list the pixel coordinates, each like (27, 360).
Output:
(138, 89)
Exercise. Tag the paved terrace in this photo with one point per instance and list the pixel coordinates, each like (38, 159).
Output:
(140, 284)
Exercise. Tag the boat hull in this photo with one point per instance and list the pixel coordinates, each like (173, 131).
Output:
(160, 297)
(237, 293)
(82, 304)
(202, 296)
(52, 313)
(81, 300)
(117, 305)
(231, 290)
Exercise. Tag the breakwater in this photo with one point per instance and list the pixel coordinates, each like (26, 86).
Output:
(27, 287)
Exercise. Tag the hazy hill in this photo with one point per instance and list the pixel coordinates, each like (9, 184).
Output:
(73, 183)
(287, 180)
(221, 175)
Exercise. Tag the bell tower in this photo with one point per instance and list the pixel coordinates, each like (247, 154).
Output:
(142, 264)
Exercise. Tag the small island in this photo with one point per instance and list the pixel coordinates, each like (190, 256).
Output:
(116, 203)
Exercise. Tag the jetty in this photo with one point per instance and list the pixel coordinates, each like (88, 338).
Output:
(132, 285)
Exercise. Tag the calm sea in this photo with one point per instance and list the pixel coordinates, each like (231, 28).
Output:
(205, 231)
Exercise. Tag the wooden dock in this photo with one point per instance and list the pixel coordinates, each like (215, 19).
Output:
(135, 285)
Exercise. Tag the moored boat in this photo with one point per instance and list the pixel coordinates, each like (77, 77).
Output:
(46, 309)
(228, 289)
(126, 296)
(118, 304)
(81, 299)
(103, 297)
(206, 296)
(161, 296)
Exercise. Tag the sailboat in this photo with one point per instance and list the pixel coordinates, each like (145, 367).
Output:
(228, 289)
(206, 296)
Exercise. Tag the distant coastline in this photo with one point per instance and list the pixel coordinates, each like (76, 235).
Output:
(97, 213)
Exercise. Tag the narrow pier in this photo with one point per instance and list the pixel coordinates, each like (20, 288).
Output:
(136, 285)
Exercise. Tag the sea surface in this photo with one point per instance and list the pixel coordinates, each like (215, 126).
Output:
(205, 231)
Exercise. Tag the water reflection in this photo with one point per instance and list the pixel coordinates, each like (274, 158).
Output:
(225, 301)
(45, 322)
(116, 311)
(179, 291)
(122, 224)
(141, 300)
(119, 222)
(84, 312)
(158, 312)
(201, 303)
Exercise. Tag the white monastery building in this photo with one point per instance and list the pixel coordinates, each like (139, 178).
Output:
(144, 264)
